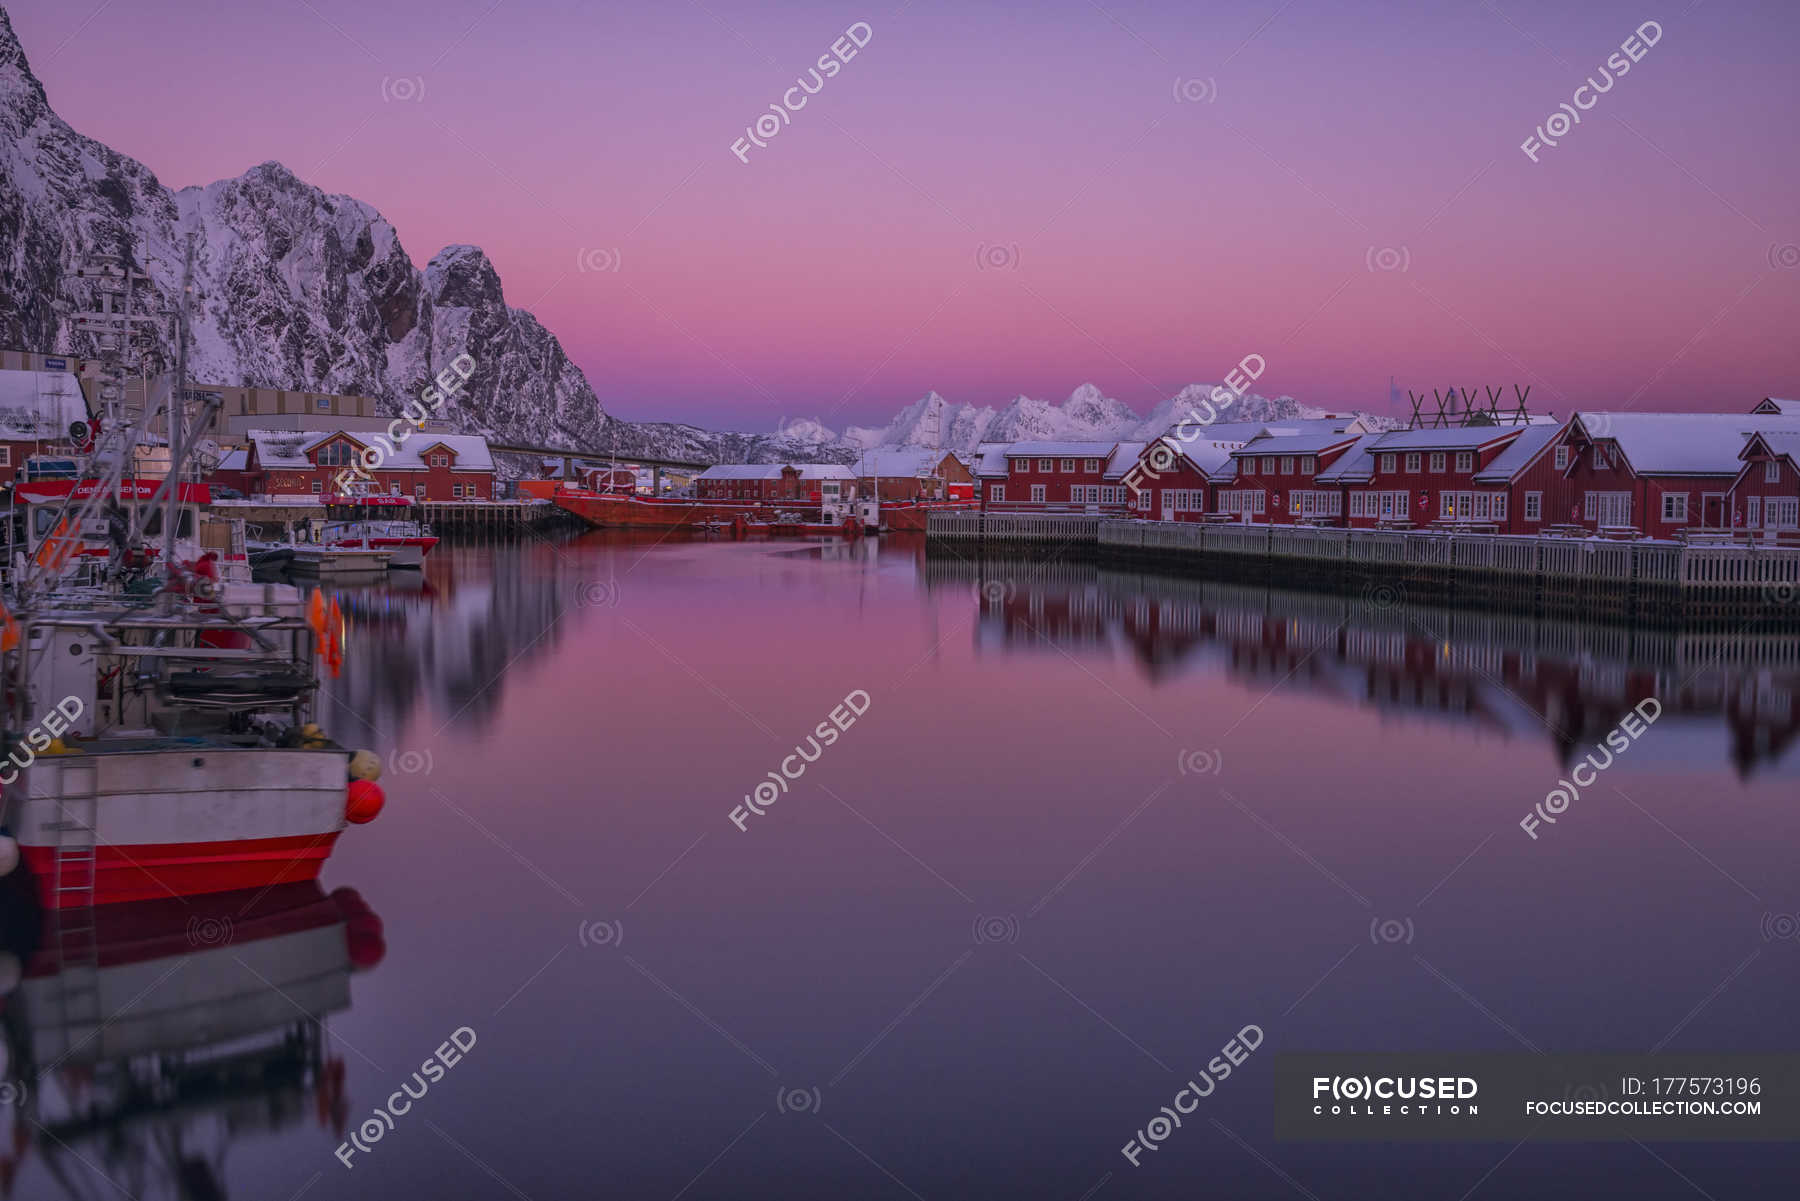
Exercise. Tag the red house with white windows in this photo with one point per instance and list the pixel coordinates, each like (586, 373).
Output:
(1187, 481)
(1659, 474)
(1043, 475)
(298, 464)
(1765, 497)
(1285, 468)
(1537, 493)
(1423, 477)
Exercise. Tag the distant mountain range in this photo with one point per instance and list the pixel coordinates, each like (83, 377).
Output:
(308, 291)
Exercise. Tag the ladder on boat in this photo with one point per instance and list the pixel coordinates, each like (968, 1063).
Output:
(76, 934)
(74, 868)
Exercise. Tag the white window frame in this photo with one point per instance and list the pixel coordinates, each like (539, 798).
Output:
(1268, 465)
(1465, 460)
(1674, 506)
(1781, 512)
(1534, 506)
(419, 491)
(1772, 471)
(1562, 456)
(1414, 461)
(996, 491)
(1067, 467)
(1437, 462)
(1308, 464)
(1387, 463)
(1287, 464)
(1090, 464)
(1018, 466)
(1249, 462)
(1037, 494)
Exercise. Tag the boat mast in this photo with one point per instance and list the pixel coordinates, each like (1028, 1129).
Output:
(178, 404)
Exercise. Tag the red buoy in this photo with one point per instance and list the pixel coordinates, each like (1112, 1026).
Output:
(364, 803)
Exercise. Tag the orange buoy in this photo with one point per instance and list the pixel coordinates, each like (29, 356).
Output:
(364, 802)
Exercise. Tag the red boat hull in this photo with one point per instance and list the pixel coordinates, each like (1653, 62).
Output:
(152, 872)
(605, 511)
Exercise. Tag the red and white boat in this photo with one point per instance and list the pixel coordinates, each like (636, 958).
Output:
(376, 522)
(166, 753)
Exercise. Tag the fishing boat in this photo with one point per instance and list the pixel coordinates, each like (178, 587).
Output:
(155, 705)
(614, 510)
(149, 1042)
(373, 521)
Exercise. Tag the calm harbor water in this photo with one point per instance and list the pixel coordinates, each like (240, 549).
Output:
(1090, 824)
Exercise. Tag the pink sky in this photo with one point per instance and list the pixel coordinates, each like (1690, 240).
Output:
(1150, 243)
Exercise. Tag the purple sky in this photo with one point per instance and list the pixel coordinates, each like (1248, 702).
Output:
(1135, 240)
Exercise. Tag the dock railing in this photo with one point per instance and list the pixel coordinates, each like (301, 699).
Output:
(1693, 572)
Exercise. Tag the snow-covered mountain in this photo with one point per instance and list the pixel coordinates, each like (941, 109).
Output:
(298, 289)
(1088, 413)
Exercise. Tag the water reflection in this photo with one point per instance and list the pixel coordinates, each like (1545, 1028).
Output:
(1723, 695)
(445, 638)
(146, 1041)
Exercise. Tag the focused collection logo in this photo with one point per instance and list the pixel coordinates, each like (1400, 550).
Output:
(1395, 1096)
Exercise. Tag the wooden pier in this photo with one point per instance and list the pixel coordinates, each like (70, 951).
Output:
(491, 519)
(1589, 577)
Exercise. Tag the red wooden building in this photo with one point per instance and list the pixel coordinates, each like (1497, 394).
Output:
(1765, 497)
(1285, 468)
(1052, 475)
(1420, 477)
(768, 482)
(1659, 474)
(300, 464)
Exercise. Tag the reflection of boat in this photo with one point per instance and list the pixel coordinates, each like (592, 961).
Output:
(143, 1040)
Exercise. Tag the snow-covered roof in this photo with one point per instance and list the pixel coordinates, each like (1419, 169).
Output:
(1222, 431)
(1354, 466)
(284, 448)
(990, 458)
(913, 462)
(234, 460)
(741, 471)
(288, 449)
(1456, 437)
(1311, 442)
(1067, 450)
(1123, 456)
(1779, 442)
(1681, 443)
(1516, 457)
(1211, 459)
(39, 404)
(1777, 406)
(772, 471)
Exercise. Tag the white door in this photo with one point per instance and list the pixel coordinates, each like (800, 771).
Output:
(1753, 511)
(1168, 504)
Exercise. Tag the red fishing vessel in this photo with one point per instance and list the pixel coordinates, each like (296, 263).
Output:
(613, 510)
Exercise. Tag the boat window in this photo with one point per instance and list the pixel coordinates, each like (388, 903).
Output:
(184, 525)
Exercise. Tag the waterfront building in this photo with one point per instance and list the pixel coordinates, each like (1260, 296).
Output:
(295, 465)
(810, 483)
